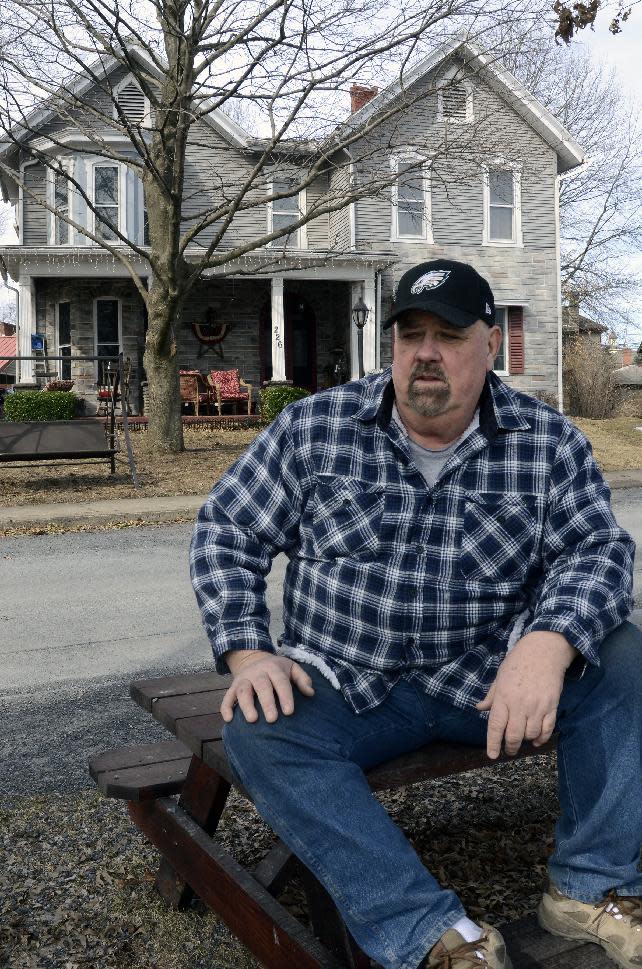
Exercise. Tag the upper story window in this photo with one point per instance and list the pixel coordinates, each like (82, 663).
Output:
(61, 203)
(411, 217)
(455, 101)
(502, 208)
(284, 212)
(106, 201)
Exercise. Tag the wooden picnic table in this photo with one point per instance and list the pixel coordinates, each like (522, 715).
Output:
(195, 767)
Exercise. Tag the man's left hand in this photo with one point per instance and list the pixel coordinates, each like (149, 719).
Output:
(524, 697)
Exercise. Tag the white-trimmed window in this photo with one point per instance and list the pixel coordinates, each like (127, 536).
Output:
(285, 211)
(455, 100)
(411, 214)
(502, 207)
(63, 338)
(59, 196)
(108, 335)
(501, 360)
(61, 203)
(106, 200)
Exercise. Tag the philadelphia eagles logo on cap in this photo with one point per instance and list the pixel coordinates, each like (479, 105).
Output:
(430, 280)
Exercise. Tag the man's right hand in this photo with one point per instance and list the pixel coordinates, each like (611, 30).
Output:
(266, 675)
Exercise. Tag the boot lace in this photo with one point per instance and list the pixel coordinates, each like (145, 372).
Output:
(614, 904)
(465, 954)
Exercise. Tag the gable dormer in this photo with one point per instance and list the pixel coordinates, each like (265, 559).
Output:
(132, 102)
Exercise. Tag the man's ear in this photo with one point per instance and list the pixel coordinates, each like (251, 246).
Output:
(495, 337)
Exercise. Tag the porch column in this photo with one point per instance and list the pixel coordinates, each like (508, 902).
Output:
(26, 326)
(367, 289)
(278, 331)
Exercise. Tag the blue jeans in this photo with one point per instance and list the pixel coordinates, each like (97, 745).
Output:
(305, 774)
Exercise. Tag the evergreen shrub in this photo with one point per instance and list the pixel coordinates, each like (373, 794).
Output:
(34, 405)
(274, 399)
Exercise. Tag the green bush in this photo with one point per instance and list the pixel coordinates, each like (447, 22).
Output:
(34, 405)
(274, 399)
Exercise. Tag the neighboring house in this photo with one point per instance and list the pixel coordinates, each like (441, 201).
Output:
(490, 199)
(8, 347)
(575, 326)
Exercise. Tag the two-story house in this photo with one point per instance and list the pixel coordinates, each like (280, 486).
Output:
(466, 166)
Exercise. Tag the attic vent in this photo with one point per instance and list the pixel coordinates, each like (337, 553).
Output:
(131, 102)
(454, 101)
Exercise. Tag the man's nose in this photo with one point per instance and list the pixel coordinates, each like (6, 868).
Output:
(428, 349)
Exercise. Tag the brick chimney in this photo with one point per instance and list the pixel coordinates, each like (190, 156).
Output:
(360, 94)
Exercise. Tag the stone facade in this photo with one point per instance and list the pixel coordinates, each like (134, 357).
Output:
(82, 295)
(242, 303)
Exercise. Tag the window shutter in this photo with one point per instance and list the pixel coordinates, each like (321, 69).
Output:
(131, 102)
(515, 319)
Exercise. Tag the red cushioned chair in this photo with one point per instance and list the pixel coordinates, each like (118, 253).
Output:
(226, 385)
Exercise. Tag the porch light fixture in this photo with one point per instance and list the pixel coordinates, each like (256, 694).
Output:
(360, 313)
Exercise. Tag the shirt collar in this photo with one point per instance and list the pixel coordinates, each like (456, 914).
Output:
(498, 408)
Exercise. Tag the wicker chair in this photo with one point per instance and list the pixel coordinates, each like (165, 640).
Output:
(194, 390)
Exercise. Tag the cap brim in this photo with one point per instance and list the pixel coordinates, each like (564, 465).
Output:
(454, 316)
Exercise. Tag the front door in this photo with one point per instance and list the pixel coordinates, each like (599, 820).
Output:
(300, 342)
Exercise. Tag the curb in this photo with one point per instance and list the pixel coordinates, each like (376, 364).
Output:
(102, 512)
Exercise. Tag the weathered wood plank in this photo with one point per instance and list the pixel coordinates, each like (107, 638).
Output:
(265, 927)
(144, 692)
(276, 868)
(203, 797)
(145, 781)
(135, 756)
(440, 760)
(167, 710)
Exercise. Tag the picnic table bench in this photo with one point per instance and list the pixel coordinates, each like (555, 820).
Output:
(177, 791)
(55, 440)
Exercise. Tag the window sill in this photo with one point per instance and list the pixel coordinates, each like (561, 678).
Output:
(413, 240)
(498, 244)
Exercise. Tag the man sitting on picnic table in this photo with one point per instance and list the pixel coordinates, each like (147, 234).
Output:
(455, 573)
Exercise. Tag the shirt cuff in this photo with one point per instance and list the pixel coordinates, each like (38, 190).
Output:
(576, 632)
(226, 637)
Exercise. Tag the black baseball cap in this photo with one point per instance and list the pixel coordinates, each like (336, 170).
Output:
(452, 290)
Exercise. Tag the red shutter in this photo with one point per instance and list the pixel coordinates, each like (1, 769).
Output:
(515, 317)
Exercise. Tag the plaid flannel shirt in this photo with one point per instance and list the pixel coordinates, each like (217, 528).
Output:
(388, 578)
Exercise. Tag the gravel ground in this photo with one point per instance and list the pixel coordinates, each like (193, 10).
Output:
(76, 879)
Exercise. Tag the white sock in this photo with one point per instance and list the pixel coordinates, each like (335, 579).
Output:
(468, 929)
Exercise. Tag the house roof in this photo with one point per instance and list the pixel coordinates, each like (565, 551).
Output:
(569, 152)
(7, 345)
(573, 322)
(631, 375)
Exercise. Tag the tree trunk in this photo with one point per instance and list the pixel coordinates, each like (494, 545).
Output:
(165, 429)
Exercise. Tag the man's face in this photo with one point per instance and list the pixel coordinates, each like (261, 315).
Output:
(439, 368)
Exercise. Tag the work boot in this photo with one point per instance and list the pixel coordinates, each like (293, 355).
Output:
(615, 923)
(453, 952)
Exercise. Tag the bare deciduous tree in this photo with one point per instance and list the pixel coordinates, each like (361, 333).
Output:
(284, 64)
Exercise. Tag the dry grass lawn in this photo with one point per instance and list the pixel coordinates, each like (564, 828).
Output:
(616, 443)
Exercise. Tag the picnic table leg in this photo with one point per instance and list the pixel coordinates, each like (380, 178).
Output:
(328, 925)
(203, 797)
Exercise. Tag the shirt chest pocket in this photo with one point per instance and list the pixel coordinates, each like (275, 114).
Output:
(343, 519)
(500, 537)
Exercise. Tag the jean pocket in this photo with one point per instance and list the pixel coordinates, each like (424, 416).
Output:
(499, 537)
(345, 518)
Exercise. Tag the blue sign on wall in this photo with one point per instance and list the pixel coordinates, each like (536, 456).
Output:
(37, 342)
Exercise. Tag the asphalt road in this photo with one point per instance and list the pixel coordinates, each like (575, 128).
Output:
(82, 615)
